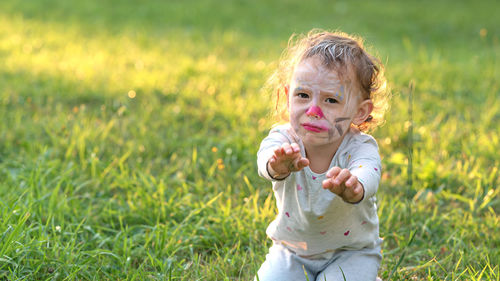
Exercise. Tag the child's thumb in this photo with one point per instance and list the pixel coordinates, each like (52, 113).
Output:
(303, 162)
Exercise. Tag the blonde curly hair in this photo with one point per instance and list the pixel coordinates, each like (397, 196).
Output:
(342, 53)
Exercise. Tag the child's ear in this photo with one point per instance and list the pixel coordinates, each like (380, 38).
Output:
(364, 110)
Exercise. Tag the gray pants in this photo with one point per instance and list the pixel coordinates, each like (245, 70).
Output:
(284, 265)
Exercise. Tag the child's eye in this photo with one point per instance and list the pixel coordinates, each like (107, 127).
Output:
(331, 100)
(303, 95)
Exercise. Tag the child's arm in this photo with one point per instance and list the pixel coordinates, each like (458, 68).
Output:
(279, 155)
(361, 177)
(344, 184)
(286, 159)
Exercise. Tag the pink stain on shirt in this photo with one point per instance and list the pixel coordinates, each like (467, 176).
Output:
(315, 111)
(346, 233)
(299, 187)
(375, 169)
(288, 228)
(287, 214)
(322, 232)
(364, 222)
(314, 177)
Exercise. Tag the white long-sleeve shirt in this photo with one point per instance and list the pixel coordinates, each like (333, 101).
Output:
(312, 220)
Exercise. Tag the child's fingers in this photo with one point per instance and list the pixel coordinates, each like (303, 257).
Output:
(333, 172)
(287, 158)
(331, 175)
(303, 162)
(276, 161)
(287, 149)
(346, 185)
(357, 189)
(278, 152)
(351, 181)
(327, 184)
(273, 159)
(337, 189)
(300, 163)
(354, 194)
(290, 148)
(343, 175)
(295, 147)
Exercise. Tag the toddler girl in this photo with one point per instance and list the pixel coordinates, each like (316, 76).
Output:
(324, 170)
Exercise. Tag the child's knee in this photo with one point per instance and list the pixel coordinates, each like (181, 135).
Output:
(354, 265)
(281, 264)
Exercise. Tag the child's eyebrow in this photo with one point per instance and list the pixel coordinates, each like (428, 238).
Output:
(338, 93)
(334, 93)
(299, 88)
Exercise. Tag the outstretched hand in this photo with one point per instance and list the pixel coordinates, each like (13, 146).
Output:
(285, 160)
(344, 184)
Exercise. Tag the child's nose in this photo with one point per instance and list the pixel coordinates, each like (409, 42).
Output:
(315, 111)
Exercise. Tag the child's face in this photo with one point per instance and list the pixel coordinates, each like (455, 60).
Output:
(321, 109)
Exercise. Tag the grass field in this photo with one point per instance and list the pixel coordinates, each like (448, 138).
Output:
(130, 128)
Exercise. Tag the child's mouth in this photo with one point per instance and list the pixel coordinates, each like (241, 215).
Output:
(314, 128)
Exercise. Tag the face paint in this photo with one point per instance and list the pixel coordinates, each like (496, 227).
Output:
(341, 119)
(321, 107)
(314, 127)
(339, 128)
(315, 111)
(340, 93)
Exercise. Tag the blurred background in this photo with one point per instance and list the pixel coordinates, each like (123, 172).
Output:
(130, 129)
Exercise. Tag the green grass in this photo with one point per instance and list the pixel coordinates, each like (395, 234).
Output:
(95, 185)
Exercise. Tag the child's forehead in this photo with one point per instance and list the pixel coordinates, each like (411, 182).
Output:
(311, 70)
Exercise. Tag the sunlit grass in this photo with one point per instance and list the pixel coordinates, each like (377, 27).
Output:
(129, 133)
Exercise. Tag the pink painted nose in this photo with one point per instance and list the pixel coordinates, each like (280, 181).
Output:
(315, 111)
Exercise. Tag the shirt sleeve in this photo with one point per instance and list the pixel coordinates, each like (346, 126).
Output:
(275, 139)
(364, 162)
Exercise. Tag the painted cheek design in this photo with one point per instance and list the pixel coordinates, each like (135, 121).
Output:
(315, 111)
(340, 119)
(338, 126)
(331, 133)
